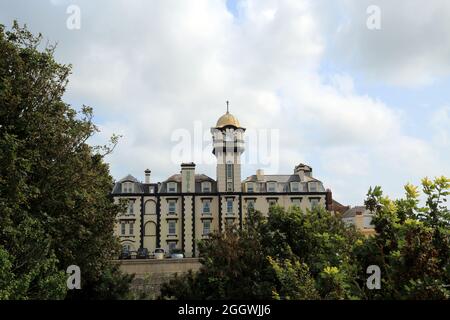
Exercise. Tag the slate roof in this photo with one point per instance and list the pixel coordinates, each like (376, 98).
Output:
(281, 178)
(350, 213)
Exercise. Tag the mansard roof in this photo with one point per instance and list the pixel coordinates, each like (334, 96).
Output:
(198, 178)
(350, 213)
(129, 177)
(280, 178)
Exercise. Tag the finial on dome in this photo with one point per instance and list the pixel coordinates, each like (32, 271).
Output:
(228, 106)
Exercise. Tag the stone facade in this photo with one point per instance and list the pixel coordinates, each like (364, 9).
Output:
(186, 207)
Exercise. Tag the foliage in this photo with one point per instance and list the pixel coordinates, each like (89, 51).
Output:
(412, 246)
(55, 208)
(279, 257)
(292, 254)
(295, 280)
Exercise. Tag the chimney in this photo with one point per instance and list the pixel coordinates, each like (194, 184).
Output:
(147, 175)
(188, 177)
(303, 170)
(260, 175)
(359, 220)
(329, 200)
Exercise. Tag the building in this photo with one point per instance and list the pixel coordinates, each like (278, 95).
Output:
(188, 206)
(361, 218)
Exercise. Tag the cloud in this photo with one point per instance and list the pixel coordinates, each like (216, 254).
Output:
(151, 68)
(440, 121)
(411, 48)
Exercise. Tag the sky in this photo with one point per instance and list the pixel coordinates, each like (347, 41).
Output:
(362, 106)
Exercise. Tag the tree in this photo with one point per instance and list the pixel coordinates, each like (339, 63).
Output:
(412, 245)
(312, 255)
(55, 208)
(234, 267)
(282, 256)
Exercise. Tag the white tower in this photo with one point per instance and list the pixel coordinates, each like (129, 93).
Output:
(228, 145)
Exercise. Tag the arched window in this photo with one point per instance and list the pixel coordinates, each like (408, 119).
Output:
(150, 207)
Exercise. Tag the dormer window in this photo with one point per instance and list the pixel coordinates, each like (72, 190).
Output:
(172, 187)
(127, 187)
(271, 186)
(206, 186)
(250, 187)
(313, 186)
(295, 187)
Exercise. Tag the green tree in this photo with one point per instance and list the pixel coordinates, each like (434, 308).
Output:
(312, 255)
(55, 208)
(412, 243)
(234, 267)
(282, 256)
(317, 239)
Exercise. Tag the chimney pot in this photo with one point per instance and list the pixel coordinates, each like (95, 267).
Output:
(147, 175)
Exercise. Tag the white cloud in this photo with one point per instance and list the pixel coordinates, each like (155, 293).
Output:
(151, 68)
(440, 121)
(410, 49)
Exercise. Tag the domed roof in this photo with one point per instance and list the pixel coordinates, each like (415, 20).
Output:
(227, 120)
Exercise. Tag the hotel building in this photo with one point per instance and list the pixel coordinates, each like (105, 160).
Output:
(188, 206)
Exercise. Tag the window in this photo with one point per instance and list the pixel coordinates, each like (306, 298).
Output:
(130, 210)
(122, 228)
(229, 171)
(126, 247)
(207, 206)
(295, 187)
(250, 187)
(127, 187)
(230, 186)
(172, 207)
(314, 202)
(206, 227)
(368, 222)
(172, 227)
(250, 205)
(172, 187)
(206, 186)
(271, 186)
(313, 186)
(230, 206)
(172, 245)
(131, 228)
(296, 202)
